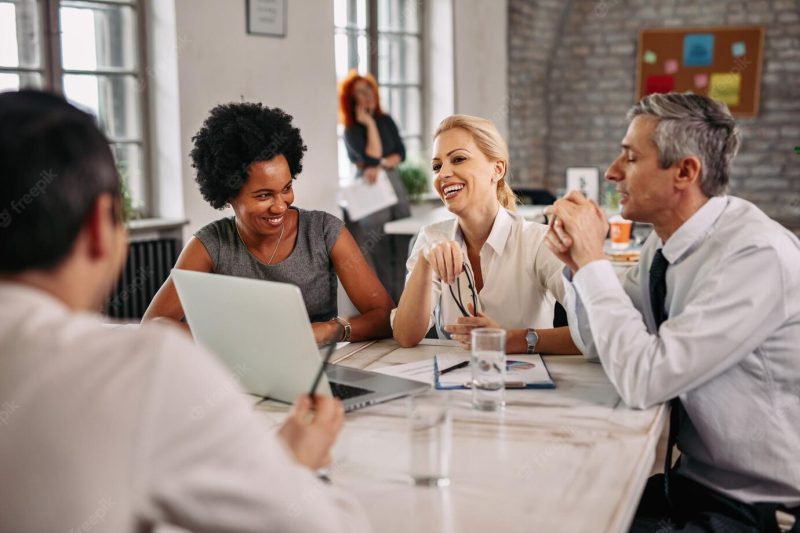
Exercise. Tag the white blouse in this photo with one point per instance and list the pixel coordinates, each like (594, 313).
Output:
(521, 276)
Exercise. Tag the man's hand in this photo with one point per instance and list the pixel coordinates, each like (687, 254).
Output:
(578, 228)
(445, 258)
(461, 331)
(310, 435)
(370, 175)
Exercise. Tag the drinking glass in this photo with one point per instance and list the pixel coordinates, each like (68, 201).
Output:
(430, 429)
(488, 364)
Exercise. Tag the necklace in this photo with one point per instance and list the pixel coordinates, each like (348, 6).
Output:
(276, 246)
(283, 226)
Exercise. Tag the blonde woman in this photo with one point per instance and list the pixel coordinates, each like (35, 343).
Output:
(488, 267)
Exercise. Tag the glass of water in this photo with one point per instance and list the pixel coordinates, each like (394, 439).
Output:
(488, 364)
(430, 429)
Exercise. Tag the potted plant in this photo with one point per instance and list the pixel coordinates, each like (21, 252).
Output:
(415, 179)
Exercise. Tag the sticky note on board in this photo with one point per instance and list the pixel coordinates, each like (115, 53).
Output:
(659, 84)
(700, 80)
(725, 87)
(698, 50)
(671, 66)
(650, 57)
(739, 49)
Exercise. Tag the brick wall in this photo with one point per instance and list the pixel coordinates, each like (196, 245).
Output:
(572, 71)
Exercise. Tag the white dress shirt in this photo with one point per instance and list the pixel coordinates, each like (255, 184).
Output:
(521, 276)
(730, 348)
(113, 429)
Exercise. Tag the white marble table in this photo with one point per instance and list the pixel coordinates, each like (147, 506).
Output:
(571, 459)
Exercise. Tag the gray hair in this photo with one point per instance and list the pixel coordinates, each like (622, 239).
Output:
(693, 125)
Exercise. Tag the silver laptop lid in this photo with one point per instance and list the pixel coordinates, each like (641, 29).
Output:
(233, 317)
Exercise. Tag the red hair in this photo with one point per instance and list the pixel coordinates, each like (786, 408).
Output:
(346, 98)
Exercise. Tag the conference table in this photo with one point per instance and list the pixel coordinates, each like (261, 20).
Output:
(569, 459)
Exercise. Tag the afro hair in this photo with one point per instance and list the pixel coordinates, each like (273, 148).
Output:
(232, 138)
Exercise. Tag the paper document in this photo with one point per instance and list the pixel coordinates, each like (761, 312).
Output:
(362, 199)
(522, 372)
(416, 371)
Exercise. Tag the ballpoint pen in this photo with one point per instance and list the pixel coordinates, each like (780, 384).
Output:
(325, 360)
(454, 367)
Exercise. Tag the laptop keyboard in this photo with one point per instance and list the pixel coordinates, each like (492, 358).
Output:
(343, 392)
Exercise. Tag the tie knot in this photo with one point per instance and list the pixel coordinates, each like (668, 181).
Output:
(659, 265)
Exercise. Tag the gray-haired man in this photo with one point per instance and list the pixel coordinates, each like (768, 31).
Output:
(709, 319)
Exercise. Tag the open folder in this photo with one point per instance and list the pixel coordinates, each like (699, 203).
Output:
(522, 372)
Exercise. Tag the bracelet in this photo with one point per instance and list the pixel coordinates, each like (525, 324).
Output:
(346, 329)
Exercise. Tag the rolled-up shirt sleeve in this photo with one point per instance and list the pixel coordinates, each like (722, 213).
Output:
(355, 140)
(436, 282)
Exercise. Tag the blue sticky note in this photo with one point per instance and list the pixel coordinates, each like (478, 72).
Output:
(698, 50)
(739, 49)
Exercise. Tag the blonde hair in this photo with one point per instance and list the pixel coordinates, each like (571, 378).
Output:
(490, 143)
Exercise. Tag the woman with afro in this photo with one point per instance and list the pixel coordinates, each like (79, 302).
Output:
(248, 156)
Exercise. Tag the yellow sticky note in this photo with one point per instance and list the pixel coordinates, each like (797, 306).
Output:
(725, 87)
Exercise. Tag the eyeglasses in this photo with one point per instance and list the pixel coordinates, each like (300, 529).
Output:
(471, 285)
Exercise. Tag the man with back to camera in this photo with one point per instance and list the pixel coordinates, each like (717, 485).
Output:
(115, 429)
(709, 319)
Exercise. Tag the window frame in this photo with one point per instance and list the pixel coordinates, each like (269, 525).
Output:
(373, 35)
(52, 73)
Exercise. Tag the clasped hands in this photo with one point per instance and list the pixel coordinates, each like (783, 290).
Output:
(576, 231)
(447, 262)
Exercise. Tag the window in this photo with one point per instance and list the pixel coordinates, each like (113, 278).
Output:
(96, 63)
(384, 38)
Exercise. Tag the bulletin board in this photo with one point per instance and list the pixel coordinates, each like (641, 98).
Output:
(721, 62)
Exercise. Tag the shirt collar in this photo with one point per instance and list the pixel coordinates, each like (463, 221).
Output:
(501, 228)
(694, 229)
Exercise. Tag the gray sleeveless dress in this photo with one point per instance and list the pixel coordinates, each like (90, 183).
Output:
(309, 266)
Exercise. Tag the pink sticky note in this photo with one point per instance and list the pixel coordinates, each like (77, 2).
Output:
(700, 80)
(670, 66)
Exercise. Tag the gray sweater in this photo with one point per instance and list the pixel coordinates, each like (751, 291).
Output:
(309, 265)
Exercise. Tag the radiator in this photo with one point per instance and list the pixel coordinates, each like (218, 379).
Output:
(146, 268)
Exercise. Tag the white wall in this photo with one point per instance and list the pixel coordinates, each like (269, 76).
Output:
(219, 62)
(481, 59)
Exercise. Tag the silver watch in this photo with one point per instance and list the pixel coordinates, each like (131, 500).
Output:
(532, 338)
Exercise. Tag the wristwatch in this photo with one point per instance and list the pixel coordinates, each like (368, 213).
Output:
(531, 338)
(346, 329)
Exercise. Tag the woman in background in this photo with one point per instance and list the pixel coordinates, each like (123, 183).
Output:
(373, 143)
(488, 267)
(248, 156)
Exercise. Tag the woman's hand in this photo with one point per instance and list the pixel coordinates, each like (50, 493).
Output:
(325, 332)
(370, 175)
(364, 115)
(461, 331)
(445, 258)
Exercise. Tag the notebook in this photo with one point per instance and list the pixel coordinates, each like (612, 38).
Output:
(522, 372)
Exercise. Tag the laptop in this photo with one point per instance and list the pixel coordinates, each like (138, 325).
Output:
(260, 330)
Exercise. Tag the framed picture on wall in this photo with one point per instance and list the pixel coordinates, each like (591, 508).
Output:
(266, 17)
(586, 180)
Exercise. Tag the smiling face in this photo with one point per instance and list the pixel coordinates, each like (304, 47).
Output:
(647, 190)
(463, 176)
(264, 198)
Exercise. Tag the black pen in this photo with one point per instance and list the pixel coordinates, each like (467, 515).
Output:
(454, 367)
(325, 360)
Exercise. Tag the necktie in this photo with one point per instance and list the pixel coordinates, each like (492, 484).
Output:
(658, 296)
